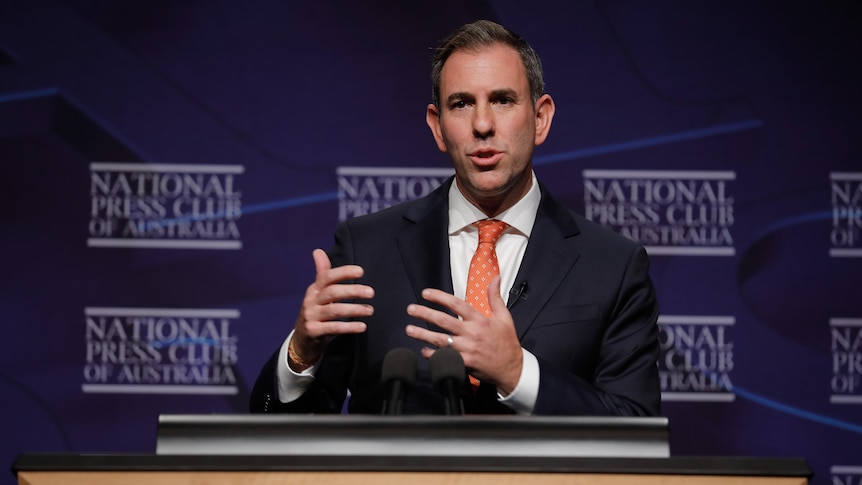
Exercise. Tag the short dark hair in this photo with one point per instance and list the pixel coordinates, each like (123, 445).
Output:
(484, 33)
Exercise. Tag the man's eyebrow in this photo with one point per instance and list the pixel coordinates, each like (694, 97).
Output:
(504, 93)
(461, 96)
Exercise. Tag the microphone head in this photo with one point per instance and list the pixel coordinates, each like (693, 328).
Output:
(446, 363)
(400, 364)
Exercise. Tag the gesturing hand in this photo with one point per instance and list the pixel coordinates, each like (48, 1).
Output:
(323, 310)
(489, 345)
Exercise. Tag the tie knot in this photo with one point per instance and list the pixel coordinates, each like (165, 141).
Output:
(490, 230)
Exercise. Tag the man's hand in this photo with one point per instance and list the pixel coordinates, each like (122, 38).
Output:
(322, 310)
(489, 346)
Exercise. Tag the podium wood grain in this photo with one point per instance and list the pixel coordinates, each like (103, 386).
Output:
(380, 478)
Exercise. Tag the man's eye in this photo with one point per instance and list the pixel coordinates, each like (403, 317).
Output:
(504, 101)
(459, 104)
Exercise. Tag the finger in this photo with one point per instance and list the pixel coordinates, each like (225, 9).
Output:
(436, 339)
(322, 264)
(450, 301)
(430, 315)
(427, 352)
(323, 329)
(342, 311)
(336, 293)
(327, 275)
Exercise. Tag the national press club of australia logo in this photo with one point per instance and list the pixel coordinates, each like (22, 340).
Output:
(846, 236)
(696, 357)
(364, 190)
(167, 206)
(687, 213)
(160, 351)
(845, 335)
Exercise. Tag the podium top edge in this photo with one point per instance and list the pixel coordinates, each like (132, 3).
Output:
(417, 420)
(685, 465)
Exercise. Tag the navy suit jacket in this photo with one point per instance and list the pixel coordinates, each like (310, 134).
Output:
(588, 314)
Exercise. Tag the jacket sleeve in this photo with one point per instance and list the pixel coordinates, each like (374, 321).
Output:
(327, 392)
(325, 395)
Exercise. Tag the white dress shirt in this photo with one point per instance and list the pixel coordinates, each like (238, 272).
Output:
(463, 241)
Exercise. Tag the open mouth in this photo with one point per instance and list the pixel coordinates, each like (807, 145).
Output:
(485, 157)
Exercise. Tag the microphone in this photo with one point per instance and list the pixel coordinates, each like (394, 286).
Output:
(399, 374)
(519, 294)
(448, 374)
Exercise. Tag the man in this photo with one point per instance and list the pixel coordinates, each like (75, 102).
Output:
(578, 334)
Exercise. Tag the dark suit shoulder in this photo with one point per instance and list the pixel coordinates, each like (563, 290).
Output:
(582, 231)
(403, 213)
(598, 233)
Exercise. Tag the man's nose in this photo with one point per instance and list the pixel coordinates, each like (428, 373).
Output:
(483, 121)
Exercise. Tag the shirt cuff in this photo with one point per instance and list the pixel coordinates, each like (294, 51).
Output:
(522, 399)
(292, 385)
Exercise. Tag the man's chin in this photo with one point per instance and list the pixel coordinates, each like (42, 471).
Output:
(488, 182)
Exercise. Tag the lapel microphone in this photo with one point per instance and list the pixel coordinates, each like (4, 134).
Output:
(519, 294)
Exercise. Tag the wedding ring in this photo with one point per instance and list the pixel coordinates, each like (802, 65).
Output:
(449, 341)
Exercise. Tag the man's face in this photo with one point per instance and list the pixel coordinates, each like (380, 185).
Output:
(488, 125)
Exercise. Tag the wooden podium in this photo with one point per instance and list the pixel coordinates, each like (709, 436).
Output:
(70, 469)
(323, 450)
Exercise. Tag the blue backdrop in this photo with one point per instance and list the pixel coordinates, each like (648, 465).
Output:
(167, 168)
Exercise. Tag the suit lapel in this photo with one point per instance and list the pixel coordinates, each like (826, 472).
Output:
(549, 257)
(424, 245)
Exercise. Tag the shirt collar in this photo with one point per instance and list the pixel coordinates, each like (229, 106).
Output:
(520, 217)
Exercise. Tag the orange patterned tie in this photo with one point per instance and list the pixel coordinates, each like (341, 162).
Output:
(484, 266)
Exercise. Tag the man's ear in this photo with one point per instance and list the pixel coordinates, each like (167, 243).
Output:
(432, 117)
(545, 109)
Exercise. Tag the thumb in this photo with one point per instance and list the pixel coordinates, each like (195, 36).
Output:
(321, 262)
